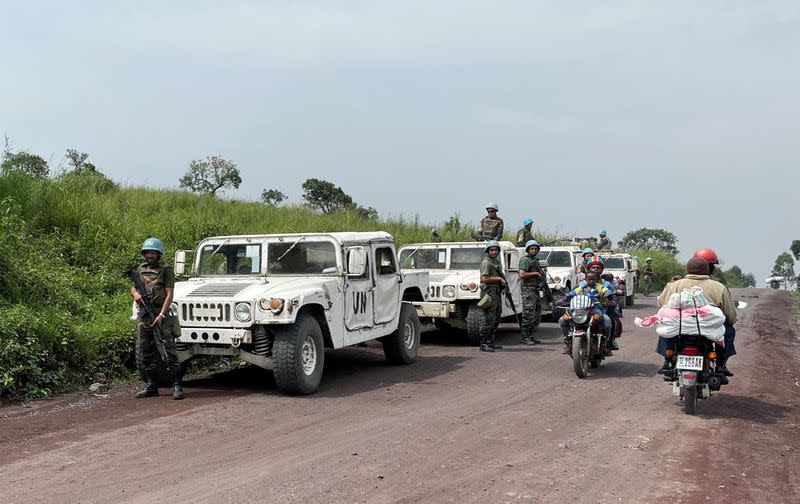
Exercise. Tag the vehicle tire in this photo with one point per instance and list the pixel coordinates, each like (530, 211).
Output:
(402, 345)
(298, 356)
(161, 375)
(690, 400)
(474, 315)
(580, 357)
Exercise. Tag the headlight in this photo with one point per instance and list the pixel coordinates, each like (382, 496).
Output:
(449, 291)
(275, 305)
(580, 316)
(242, 312)
(472, 286)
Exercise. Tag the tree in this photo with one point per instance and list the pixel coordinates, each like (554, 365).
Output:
(795, 248)
(23, 161)
(735, 278)
(784, 266)
(650, 239)
(272, 197)
(325, 196)
(211, 175)
(77, 159)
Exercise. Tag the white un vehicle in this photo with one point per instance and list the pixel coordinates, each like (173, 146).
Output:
(277, 301)
(454, 291)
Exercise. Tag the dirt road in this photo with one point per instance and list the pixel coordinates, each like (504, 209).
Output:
(456, 426)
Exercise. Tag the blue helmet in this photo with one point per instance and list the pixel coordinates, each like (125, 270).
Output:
(532, 243)
(602, 232)
(153, 244)
(587, 250)
(490, 244)
(527, 221)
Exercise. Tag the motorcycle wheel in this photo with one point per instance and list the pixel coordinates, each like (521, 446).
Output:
(580, 357)
(690, 400)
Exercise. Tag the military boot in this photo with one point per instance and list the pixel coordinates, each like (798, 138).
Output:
(150, 389)
(177, 390)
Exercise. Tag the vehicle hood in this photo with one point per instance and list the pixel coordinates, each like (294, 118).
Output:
(248, 290)
(454, 277)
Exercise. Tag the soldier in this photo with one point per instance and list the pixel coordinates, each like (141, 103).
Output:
(491, 225)
(532, 275)
(586, 256)
(492, 284)
(524, 235)
(158, 280)
(603, 243)
(435, 238)
(647, 273)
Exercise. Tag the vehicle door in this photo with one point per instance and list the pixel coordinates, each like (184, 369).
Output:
(387, 283)
(511, 270)
(358, 294)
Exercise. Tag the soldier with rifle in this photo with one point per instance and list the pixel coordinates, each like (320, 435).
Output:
(533, 278)
(152, 290)
(492, 284)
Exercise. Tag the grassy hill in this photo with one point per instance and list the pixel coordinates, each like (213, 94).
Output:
(68, 245)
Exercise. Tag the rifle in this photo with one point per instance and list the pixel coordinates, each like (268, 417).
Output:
(510, 300)
(147, 314)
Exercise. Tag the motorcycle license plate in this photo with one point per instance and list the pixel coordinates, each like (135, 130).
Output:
(694, 362)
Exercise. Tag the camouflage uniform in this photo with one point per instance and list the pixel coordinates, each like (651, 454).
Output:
(603, 243)
(155, 279)
(491, 228)
(531, 298)
(524, 235)
(491, 316)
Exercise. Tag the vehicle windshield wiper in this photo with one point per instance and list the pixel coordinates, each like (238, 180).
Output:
(290, 248)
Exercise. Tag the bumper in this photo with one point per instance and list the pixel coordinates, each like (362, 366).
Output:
(433, 309)
(215, 335)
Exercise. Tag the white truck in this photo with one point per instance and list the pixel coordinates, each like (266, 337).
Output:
(562, 274)
(624, 268)
(278, 301)
(454, 283)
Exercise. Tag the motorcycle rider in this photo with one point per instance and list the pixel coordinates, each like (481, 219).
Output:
(598, 292)
(596, 265)
(614, 310)
(699, 270)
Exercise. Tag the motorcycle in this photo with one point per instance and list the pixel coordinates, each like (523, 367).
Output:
(695, 374)
(587, 341)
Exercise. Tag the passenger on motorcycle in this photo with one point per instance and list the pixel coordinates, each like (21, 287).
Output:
(614, 310)
(699, 270)
(599, 292)
(596, 265)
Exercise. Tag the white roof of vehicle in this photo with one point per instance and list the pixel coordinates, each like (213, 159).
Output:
(469, 244)
(569, 248)
(340, 237)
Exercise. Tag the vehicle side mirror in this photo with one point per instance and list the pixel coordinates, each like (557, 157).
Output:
(356, 262)
(180, 262)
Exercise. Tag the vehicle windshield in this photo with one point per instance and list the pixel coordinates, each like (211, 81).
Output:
(466, 258)
(559, 259)
(423, 258)
(230, 259)
(614, 263)
(542, 255)
(301, 258)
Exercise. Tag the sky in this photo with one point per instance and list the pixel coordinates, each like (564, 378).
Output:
(583, 115)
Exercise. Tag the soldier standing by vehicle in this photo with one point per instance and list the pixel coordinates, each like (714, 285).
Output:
(491, 225)
(435, 238)
(492, 283)
(603, 243)
(158, 281)
(524, 235)
(532, 274)
(647, 272)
